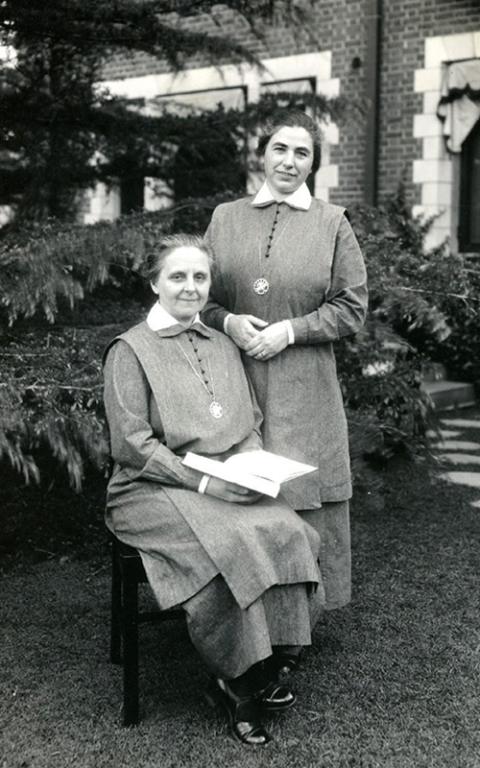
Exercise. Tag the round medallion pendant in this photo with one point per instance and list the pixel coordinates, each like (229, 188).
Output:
(261, 286)
(215, 409)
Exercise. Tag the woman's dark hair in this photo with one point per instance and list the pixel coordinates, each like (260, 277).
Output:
(291, 119)
(155, 259)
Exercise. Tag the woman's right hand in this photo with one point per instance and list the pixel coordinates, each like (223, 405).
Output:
(236, 494)
(243, 328)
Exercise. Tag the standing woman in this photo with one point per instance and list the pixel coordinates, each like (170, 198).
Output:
(289, 280)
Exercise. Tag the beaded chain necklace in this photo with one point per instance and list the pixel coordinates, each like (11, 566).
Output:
(215, 408)
(261, 285)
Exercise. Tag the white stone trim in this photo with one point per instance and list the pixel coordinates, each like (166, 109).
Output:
(227, 76)
(103, 203)
(7, 214)
(428, 79)
(435, 171)
(302, 66)
(433, 147)
(425, 171)
(426, 125)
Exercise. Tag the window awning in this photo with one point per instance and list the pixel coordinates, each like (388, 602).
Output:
(459, 106)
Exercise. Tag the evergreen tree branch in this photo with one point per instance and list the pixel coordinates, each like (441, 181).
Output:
(445, 294)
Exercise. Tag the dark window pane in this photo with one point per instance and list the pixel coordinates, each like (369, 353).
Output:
(470, 192)
(132, 194)
(475, 189)
(208, 164)
(211, 155)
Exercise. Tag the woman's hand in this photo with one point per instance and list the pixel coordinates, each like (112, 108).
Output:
(236, 494)
(242, 329)
(268, 342)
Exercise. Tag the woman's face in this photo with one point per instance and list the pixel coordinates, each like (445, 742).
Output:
(183, 283)
(288, 159)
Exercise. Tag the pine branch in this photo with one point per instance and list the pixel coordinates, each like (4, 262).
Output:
(138, 27)
(430, 291)
(71, 388)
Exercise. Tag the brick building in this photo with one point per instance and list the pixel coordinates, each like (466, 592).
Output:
(396, 58)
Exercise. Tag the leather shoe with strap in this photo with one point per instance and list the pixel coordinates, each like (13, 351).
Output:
(276, 697)
(243, 713)
(281, 665)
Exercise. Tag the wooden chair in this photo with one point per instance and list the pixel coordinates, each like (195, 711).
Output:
(127, 573)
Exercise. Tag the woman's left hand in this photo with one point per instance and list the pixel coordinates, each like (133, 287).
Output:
(268, 342)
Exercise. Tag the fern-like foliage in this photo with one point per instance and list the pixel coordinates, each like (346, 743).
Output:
(51, 384)
(415, 295)
(44, 263)
(51, 401)
(65, 291)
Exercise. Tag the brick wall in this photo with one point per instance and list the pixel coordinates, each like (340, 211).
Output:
(406, 25)
(340, 26)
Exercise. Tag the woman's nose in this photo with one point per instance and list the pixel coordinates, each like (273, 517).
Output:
(190, 284)
(288, 159)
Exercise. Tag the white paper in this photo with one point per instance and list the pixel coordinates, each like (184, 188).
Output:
(277, 468)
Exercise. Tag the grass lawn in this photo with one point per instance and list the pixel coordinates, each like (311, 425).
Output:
(391, 682)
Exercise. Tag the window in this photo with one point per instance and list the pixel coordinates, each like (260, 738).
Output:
(211, 157)
(469, 216)
(225, 160)
(132, 194)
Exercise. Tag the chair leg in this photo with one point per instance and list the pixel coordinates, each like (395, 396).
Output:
(116, 608)
(130, 649)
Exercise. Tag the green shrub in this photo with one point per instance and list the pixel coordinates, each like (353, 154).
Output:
(65, 291)
(50, 401)
(412, 294)
(460, 352)
(50, 393)
(86, 279)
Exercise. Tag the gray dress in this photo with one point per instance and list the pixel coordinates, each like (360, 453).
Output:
(196, 548)
(317, 281)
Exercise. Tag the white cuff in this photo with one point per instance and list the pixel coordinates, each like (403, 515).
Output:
(290, 332)
(202, 486)
(225, 323)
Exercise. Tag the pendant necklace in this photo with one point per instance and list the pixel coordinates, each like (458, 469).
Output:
(261, 286)
(215, 408)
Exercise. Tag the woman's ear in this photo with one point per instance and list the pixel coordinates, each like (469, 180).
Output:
(153, 287)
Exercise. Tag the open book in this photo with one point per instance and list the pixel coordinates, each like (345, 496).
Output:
(260, 471)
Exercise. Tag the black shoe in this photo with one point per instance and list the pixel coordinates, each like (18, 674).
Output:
(281, 665)
(243, 713)
(276, 697)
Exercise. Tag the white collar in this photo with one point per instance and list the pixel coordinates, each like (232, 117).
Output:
(158, 318)
(300, 199)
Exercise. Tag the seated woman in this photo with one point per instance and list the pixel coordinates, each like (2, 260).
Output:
(243, 567)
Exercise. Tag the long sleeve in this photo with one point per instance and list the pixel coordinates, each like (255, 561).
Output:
(344, 310)
(253, 442)
(215, 312)
(134, 445)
